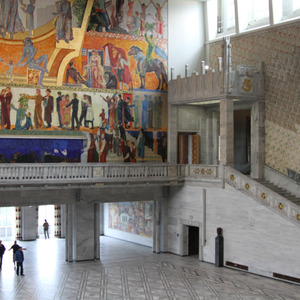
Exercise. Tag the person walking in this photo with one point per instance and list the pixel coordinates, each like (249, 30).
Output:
(2, 250)
(46, 229)
(20, 259)
(15, 248)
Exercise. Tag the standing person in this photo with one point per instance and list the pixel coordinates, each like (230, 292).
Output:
(63, 23)
(143, 17)
(20, 110)
(3, 108)
(38, 98)
(58, 99)
(141, 144)
(145, 112)
(74, 104)
(46, 229)
(48, 104)
(15, 248)
(2, 250)
(29, 10)
(122, 62)
(159, 20)
(163, 147)
(127, 152)
(89, 114)
(102, 147)
(84, 106)
(8, 97)
(65, 111)
(19, 258)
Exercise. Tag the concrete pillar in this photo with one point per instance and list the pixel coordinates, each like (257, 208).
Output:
(97, 231)
(154, 227)
(215, 137)
(172, 134)
(158, 223)
(63, 213)
(164, 220)
(82, 232)
(226, 132)
(258, 139)
(28, 219)
(69, 232)
(101, 211)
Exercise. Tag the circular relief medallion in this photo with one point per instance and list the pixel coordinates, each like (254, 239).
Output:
(247, 186)
(263, 195)
(280, 206)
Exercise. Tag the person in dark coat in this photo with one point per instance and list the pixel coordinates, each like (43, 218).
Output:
(19, 258)
(74, 104)
(2, 250)
(15, 248)
(48, 104)
(58, 99)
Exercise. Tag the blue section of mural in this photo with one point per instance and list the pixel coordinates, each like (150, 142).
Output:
(40, 150)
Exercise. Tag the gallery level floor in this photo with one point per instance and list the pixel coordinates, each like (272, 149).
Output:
(131, 272)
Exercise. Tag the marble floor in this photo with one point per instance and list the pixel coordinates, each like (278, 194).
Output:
(131, 272)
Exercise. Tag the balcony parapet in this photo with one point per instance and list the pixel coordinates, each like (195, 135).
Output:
(59, 174)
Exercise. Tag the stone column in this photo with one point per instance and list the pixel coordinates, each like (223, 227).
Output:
(215, 136)
(69, 232)
(258, 139)
(226, 132)
(28, 221)
(157, 227)
(172, 134)
(84, 235)
(97, 231)
(154, 227)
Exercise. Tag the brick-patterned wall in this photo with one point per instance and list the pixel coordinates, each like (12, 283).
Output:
(279, 49)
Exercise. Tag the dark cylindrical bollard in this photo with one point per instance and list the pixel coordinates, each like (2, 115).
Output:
(219, 262)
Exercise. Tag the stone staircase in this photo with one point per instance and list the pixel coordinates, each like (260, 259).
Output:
(280, 191)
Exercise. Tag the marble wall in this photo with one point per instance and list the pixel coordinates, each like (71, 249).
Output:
(254, 236)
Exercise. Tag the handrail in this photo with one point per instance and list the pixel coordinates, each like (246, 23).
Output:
(264, 195)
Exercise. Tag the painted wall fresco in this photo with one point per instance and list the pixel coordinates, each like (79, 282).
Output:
(132, 217)
(112, 54)
(279, 50)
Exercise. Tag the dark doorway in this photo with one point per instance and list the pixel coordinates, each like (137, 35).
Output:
(193, 240)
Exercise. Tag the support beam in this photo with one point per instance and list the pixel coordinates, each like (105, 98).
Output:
(258, 139)
(226, 132)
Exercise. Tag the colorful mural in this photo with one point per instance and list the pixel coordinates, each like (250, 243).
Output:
(132, 217)
(97, 66)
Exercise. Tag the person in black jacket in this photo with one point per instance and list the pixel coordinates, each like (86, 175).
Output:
(2, 250)
(74, 104)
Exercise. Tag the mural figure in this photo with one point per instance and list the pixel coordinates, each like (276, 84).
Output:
(157, 110)
(119, 64)
(127, 155)
(127, 114)
(136, 104)
(8, 98)
(96, 70)
(130, 18)
(28, 53)
(159, 26)
(84, 106)
(20, 110)
(133, 152)
(74, 74)
(29, 10)
(144, 66)
(10, 20)
(89, 114)
(58, 100)
(122, 62)
(141, 144)
(65, 111)
(63, 22)
(145, 112)
(163, 147)
(143, 17)
(102, 146)
(101, 14)
(74, 104)
(10, 72)
(116, 140)
(102, 115)
(28, 123)
(111, 80)
(150, 112)
(120, 106)
(48, 108)
(3, 108)
(112, 106)
(38, 98)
